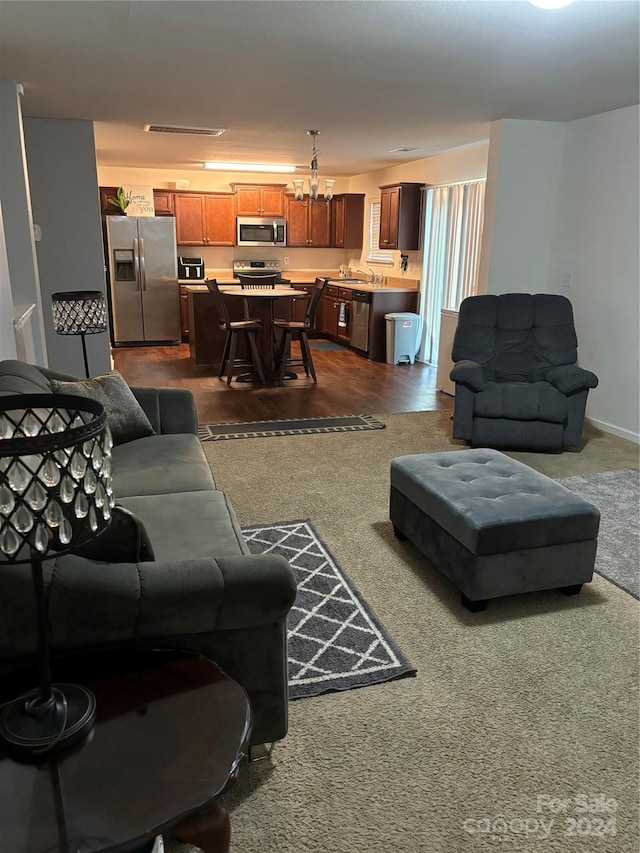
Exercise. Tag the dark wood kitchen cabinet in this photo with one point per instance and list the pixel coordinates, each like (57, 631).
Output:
(347, 228)
(400, 216)
(300, 309)
(386, 301)
(163, 202)
(206, 338)
(259, 199)
(204, 219)
(333, 298)
(308, 225)
(184, 314)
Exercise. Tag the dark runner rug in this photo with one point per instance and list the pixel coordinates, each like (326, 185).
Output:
(336, 642)
(326, 346)
(617, 496)
(292, 426)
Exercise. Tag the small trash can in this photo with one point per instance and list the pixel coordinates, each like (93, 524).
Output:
(403, 337)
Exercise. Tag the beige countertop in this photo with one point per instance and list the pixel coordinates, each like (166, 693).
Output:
(395, 283)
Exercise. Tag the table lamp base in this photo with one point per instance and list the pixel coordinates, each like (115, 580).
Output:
(32, 729)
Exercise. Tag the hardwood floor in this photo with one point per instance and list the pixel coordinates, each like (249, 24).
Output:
(348, 384)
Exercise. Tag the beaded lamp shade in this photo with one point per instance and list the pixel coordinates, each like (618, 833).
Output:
(55, 495)
(79, 312)
(55, 474)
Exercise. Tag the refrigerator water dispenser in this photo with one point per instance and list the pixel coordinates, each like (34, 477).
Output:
(123, 264)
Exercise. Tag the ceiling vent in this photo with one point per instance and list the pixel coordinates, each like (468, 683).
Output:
(178, 128)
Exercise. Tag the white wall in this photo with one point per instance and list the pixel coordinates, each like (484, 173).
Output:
(7, 338)
(64, 195)
(16, 205)
(522, 183)
(596, 238)
(464, 164)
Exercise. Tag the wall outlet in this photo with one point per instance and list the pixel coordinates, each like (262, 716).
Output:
(286, 259)
(225, 260)
(566, 279)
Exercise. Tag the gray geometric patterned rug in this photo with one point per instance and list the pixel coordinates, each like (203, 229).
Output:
(336, 642)
(617, 496)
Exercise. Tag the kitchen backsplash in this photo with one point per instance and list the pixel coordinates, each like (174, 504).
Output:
(305, 259)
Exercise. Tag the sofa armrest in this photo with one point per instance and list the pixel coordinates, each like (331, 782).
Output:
(468, 373)
(170, 410)
(568, 378)
(93, 603)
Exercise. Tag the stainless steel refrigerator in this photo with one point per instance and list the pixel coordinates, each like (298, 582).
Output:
(144, 297)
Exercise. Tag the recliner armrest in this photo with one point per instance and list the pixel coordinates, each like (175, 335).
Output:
(468, 373)
(569, 378)
(170, 410)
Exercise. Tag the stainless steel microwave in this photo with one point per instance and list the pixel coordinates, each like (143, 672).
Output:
(261, 231)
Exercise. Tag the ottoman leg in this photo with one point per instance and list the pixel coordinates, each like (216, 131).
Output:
(399, 533)
(571, 590)
(473, 606)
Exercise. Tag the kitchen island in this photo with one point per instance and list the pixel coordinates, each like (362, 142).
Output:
(206, 340)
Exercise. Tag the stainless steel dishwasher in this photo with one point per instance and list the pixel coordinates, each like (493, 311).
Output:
(360, 307)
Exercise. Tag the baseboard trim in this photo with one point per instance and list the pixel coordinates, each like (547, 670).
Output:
(615, 430)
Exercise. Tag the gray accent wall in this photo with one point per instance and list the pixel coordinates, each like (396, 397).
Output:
(61, 159)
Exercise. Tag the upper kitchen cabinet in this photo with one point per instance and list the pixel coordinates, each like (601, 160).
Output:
(259, 199)
(204, 219)
(400, 216)
(347, 221)
(308, 225)
(162, 202)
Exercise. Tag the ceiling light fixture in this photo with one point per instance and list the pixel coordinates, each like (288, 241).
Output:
(402, 150)
(314, 183)
(550, 4)
(249, 167)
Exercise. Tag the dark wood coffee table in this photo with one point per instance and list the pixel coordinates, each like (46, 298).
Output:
(170, 734)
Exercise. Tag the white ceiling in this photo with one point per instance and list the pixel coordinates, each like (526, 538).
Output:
(372, 76)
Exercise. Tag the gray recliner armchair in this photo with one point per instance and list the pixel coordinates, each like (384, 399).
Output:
(517, 383)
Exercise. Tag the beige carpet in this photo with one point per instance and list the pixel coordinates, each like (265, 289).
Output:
(535, 697)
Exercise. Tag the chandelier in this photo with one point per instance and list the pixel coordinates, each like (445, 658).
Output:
(314, 182)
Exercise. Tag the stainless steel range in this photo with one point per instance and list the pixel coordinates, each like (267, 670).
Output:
(259, 268)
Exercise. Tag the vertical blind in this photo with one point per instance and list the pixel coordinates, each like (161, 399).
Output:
(376, 254)
(453, 220)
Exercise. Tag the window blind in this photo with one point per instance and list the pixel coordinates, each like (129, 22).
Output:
(454, 215)
(376, 254)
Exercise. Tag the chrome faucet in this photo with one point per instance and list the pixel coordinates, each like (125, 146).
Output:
(370, 273)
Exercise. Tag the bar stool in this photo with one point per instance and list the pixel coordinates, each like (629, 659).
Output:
(298, 330)
(233, 328)
(257, 282)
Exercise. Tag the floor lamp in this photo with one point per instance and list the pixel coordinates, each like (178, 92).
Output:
(55, 495)
(79, 312)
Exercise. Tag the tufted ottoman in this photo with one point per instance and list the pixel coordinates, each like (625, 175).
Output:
(492, 525)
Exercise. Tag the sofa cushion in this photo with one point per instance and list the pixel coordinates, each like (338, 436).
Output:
(160, 464)
(125, 416)
(124, 541)
(190, 525)
(521, 401)
(18, 377)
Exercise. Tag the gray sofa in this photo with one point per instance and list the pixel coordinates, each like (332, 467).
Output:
(203, 591)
